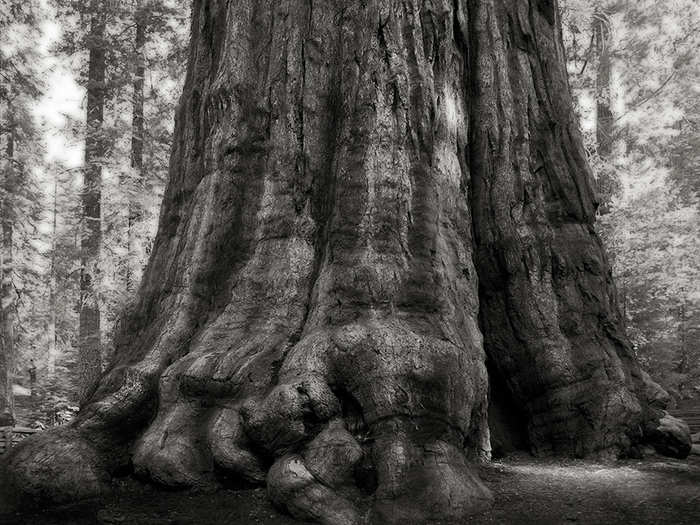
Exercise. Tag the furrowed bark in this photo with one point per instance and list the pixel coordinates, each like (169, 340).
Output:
(551, 326)
(358, 192)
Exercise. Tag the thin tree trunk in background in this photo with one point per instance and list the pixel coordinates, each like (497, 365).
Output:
(51, 331)
(91, 239)
(137, 138)
(7, 415)
(604, 115)
(683, 353)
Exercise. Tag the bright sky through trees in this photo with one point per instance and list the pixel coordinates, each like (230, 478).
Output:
(63, 97)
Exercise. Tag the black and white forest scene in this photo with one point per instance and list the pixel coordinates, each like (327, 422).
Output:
(349, 262)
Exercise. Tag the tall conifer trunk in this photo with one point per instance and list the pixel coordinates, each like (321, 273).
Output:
(137, 143)
(7, 302)
(366, 201)
(604, 116)
(602, 36)
(91, 240)
(51, 331)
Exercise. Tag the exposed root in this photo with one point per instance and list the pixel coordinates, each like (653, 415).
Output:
(171, 451)
(291, 486)
(423, 477)
(229, 447)
(53, 467)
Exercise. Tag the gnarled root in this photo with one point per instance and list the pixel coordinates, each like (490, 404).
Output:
(55, 467)
(371, 411)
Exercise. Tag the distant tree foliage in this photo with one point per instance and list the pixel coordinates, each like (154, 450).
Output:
(20, 88)
(649, 175)
(142, 46)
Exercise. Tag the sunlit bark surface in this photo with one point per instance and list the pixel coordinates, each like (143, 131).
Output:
(370, 204)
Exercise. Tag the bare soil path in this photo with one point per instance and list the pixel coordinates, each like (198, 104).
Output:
(654, 491)
(528, 491)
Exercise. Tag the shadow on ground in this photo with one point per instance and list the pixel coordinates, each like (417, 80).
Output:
(527, 490)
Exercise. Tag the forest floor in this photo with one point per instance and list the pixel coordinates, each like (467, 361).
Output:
(528, 491)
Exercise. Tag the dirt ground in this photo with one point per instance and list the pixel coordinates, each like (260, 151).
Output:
(528, 491)
(654, 491)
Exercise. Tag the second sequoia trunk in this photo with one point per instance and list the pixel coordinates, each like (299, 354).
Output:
(358, 191)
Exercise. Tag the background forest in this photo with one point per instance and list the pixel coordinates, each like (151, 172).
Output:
(88, 92)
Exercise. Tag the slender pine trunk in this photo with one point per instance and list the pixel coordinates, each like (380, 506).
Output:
(7, 306)
(91, 239)
(137, 141)
(51, 329)
(604, 114)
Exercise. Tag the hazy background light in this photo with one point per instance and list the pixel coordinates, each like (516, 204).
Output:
(61, 103)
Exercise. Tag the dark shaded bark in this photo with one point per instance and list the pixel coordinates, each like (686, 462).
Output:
(91, 239)
(549, 318)
(365, 201)
(7, 336)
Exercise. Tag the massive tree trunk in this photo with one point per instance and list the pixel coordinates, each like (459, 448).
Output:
(7, 303)
(91, 239)
(370, 204)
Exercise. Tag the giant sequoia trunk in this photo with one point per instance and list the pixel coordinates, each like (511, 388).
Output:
(370, 204)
